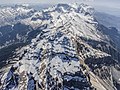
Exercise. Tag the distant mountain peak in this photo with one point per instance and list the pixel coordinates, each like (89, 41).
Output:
(79, 8)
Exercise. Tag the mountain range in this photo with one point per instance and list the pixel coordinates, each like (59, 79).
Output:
(64, 47)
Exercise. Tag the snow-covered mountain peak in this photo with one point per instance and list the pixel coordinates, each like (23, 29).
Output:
(78, 17)
(11, 14)
(78, 8)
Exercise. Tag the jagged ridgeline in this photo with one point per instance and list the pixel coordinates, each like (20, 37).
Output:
(70, 50)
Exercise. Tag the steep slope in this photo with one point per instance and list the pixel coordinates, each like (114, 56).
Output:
(109, 20)
(71, 53)
(110, 26)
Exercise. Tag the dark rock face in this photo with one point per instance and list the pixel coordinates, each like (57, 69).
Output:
(9, 33)
(105, 46)
(7, 53)
(77, 80)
